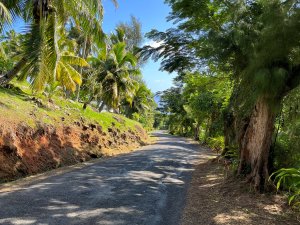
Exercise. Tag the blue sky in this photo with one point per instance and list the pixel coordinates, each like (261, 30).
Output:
(152, 15)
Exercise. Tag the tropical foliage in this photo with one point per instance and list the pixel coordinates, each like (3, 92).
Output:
(115, 74)
(63, 51)
(238, 69)
(237, 63)
(290, 180)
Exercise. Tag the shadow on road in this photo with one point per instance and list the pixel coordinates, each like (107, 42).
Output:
(145, 187)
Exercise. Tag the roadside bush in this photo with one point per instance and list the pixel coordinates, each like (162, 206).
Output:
(146, 119)
(216, 143)
(289, 180)
(287, 152)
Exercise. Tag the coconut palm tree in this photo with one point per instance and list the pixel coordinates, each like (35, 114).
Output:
(141, 102)
(114, 70)
(45, 22)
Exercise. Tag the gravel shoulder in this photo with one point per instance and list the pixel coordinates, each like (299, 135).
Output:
(217, 198)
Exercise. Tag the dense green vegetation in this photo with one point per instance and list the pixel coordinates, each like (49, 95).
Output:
(18, 105)
(238, 80)
(64, 53)
(238, 66)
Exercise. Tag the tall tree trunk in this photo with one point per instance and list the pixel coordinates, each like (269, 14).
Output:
(229, 130)
(255, 144)
(207, 129)
(84, 56)
(196, 134)
(6, 78)
(231, 123)
(41, 8)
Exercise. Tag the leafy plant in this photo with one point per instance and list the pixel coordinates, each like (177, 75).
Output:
(289, 178)
(216, 143)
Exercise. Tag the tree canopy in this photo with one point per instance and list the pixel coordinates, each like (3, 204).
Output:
(247, 52)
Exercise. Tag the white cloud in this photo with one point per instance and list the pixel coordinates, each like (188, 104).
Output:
(154, 44)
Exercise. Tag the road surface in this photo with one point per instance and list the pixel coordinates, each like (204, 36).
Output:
(145, 187)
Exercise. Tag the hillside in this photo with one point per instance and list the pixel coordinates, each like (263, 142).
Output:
(38, 134)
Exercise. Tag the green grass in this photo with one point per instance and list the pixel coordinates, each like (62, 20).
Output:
(16, 106)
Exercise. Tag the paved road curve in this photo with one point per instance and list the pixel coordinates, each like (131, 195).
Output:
(144, 187)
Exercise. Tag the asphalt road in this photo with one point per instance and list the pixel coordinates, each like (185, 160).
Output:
(144, 187)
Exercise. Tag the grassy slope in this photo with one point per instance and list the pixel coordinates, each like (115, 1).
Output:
(16, 106)
(28, 145)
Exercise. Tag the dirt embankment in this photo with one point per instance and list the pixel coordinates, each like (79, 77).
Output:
(26, 151)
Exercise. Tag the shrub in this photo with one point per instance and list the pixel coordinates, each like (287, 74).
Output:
(216, 143)
(287, 152)
(289, 179)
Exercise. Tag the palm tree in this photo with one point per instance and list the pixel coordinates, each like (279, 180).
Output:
(10, 46)
(46, 20)
(114, 71)
(142, 101)
(84, 47)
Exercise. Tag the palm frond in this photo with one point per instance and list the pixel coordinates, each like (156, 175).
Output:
(129, 58)
(5, 16)
(40, 52)
(118, 52)
(76, 77)
(65, 78)
(74, 60)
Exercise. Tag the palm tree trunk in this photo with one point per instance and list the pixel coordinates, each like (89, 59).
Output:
(78, 93)
(41, 9)
(81, 69)
(6, 78)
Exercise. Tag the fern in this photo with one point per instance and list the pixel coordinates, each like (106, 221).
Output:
(289, 179)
